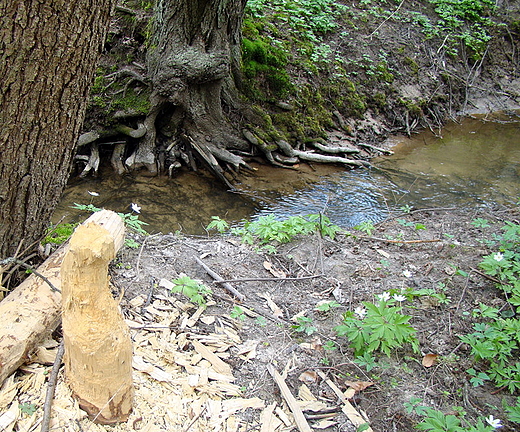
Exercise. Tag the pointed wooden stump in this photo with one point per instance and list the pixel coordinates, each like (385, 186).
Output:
(98, 349)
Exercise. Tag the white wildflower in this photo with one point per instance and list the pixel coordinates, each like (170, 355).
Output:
(407, 273)
(93, 193)
(493, 422)
(360, 312)
(384, 296)
(136, 208)
(399, 297)
(498, 256)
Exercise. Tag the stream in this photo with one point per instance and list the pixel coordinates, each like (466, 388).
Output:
(474, 163)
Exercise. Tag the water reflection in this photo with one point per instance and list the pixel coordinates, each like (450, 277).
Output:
(475, 163)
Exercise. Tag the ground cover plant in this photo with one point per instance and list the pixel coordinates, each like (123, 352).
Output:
(383, 331)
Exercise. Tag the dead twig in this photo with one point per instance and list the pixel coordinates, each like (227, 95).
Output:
(273, 279)
(398, 241)
(221, 280)
(31, 269)
(51, 386)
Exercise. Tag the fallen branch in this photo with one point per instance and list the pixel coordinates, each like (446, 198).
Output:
(398, 241)
(275, 279)
(51, 386)
(299, 418)
(29, 313)
(219, 279)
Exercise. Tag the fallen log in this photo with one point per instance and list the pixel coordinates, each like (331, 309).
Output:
(30, 313)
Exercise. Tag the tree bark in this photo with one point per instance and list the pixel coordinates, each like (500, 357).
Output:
(192, 61)
(48, 52)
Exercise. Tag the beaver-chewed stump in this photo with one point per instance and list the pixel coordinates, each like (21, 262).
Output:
(98, 348)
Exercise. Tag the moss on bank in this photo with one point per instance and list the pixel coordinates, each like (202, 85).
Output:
(306, 61)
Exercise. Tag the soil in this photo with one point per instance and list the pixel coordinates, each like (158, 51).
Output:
(352, 268)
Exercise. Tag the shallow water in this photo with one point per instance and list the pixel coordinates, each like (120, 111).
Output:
(474, 163)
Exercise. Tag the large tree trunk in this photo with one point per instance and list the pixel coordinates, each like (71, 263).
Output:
(192, 60)
(48, 52)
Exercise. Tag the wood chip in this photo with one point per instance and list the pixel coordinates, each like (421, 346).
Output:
(8, 419)
(138, 363)
(355, 417)
(269, 422)
(305, 394)
(299, 418)
(219, 365)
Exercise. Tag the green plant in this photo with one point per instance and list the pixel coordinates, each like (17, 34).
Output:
(327, 306)
(237, 313)
(381, 328)
(59, 234)
(261, 321)
(304, 325)
(366, 227)
(437, 421)
(484, 311)
(480, 223)
(466, 21)
(27, 408)
(439, 296)
(513, 411)
(477, 378)
(495, 344)
(366, 360)
(329, 346)
(413, 406)
(268, 229)
(218, 224)
(191, 288)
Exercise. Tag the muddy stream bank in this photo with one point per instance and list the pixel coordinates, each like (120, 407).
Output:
(474, 163)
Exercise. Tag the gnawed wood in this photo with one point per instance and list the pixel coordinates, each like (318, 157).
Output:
(98, 349)
(32, 311)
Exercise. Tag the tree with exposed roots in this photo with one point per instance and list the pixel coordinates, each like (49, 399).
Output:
(193, 61)
(48, 53)
(196, 111)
